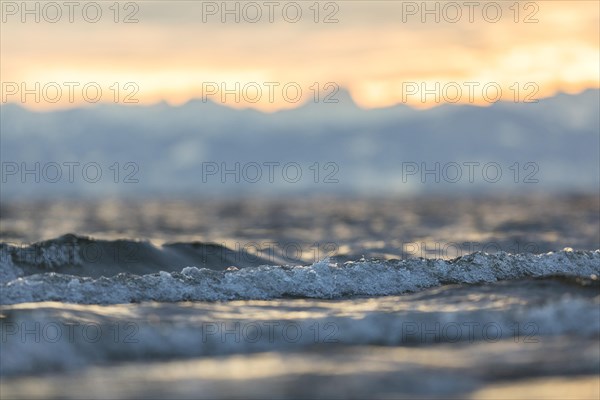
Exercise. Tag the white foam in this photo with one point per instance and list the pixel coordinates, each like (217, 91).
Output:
(324, 279)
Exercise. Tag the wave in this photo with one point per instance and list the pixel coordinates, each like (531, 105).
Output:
(327, 279)
(82, 256)
(58, 336)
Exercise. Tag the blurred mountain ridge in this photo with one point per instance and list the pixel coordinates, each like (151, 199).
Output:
(170, 145)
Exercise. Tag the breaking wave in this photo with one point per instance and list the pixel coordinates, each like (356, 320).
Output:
(169, 274)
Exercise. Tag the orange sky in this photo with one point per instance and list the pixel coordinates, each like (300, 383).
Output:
(381, 51)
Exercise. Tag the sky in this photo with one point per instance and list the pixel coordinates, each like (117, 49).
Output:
(279, 55)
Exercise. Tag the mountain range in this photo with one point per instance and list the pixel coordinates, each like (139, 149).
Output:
(339, 147)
